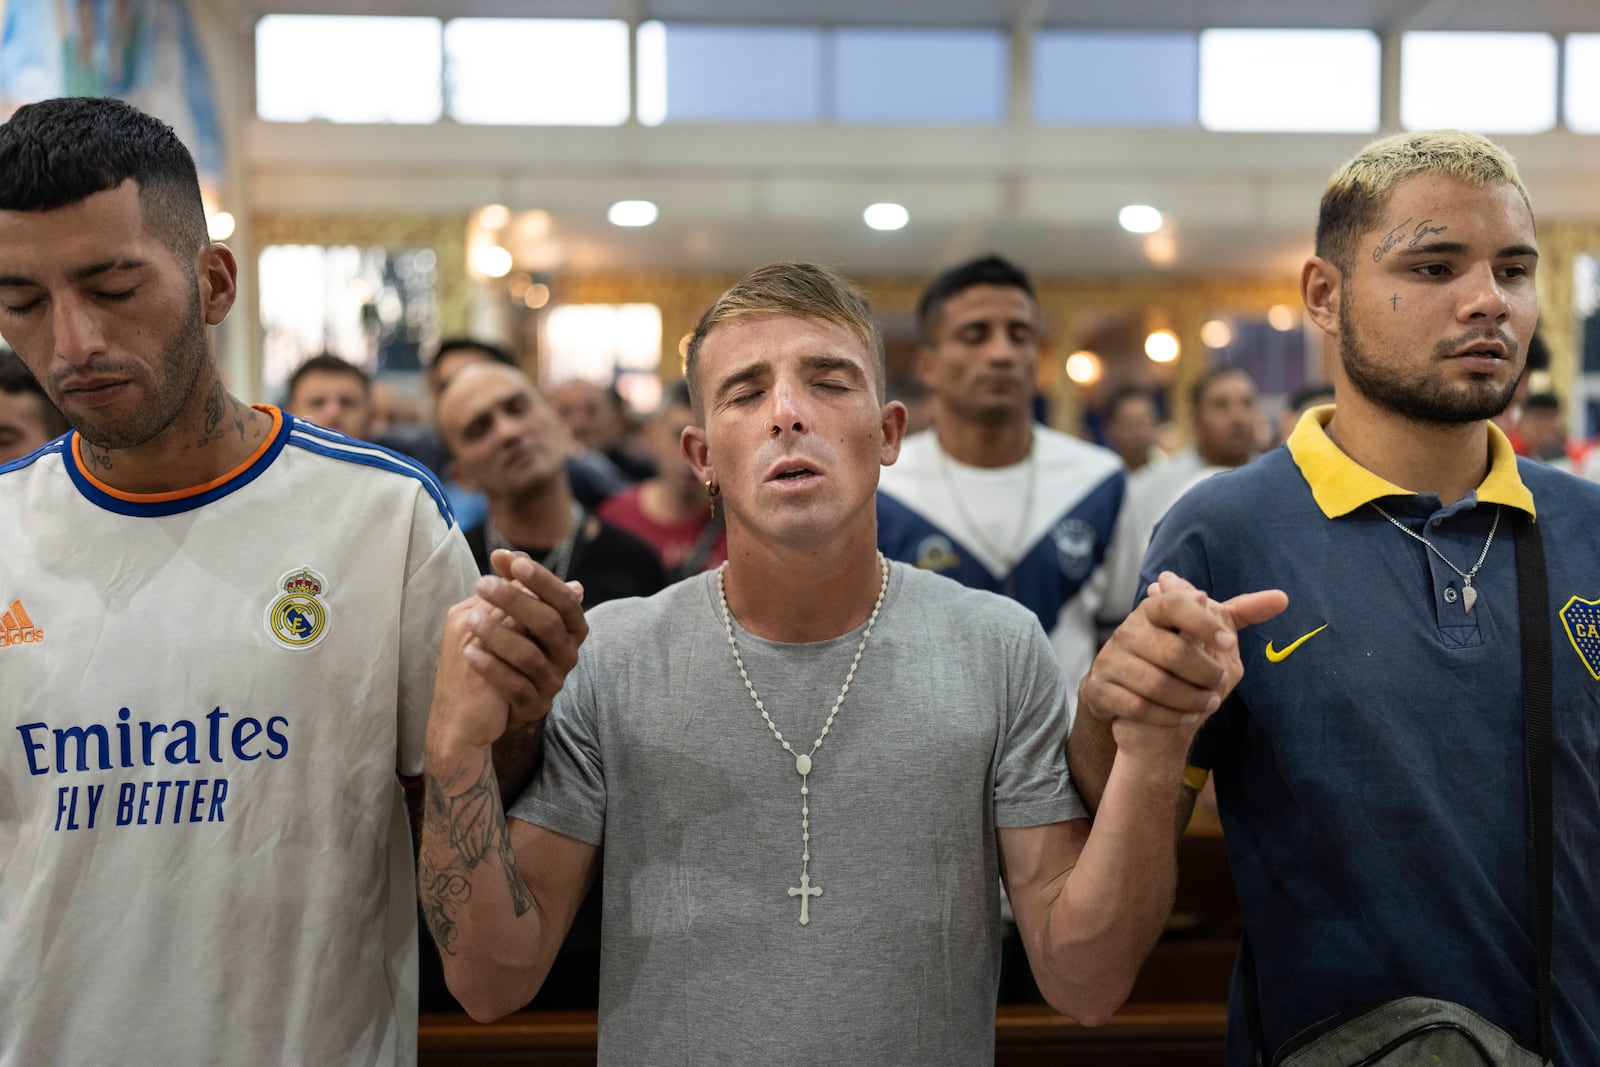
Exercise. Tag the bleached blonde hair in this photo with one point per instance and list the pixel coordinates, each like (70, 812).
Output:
(1358, 192)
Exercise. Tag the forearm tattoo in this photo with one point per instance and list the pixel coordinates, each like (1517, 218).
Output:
(475, 832)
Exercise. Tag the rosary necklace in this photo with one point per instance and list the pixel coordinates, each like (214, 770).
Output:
(559, 558)
(1469, 595)
(1008, 559)
(802, 760)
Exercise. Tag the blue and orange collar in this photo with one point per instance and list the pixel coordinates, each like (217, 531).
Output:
(1340, 485)
(177, 500)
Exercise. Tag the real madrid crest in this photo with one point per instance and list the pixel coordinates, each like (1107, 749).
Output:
(298, 618)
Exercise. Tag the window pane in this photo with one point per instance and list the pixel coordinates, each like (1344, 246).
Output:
(551, 72)
(1115, 79)
(1583, 82)
(1257, 79)
(347, 69)
(884, 75)
(1486, 82)
(693, 73)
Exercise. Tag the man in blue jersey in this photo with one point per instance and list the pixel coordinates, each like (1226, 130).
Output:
(1369, 762)
(217, 645)
(989, 497)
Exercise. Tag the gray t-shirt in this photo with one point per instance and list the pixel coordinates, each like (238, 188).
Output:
(955, 725)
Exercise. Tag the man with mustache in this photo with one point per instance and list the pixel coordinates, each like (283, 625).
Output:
(1369, 766)
(990, 497)
(217, 650)
(807, 771)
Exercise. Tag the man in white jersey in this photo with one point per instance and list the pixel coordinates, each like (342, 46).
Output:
(217, 646)
(807, 771)
(989, 497)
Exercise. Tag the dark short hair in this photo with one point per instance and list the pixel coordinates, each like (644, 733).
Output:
(16, 379)
(59, 152)
(1211, 377)
(450, 345)
(1121, 396)
(1542, 402)
(985, 270)
(328, 363)
(1538, 353)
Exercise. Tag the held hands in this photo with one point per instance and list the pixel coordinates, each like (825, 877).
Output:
(507, 650)
(1174, 659)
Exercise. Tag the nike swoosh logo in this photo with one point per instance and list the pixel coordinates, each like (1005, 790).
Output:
(1275, 656)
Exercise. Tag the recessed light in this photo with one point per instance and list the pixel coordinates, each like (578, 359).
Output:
(1161, 346)
(1140, 218)
(632, 213)
(886, 216)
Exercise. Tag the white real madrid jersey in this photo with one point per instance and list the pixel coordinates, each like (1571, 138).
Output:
(205, 698)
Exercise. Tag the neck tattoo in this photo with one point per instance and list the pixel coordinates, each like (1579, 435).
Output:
(1008, 558)
(1469, 595)
(802, 760)
(559, 559)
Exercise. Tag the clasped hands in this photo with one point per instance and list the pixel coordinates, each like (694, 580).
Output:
(507, 650)
(1174, 659)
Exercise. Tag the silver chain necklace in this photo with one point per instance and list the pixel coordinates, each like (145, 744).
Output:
(1007, 559)
(802, 760)
(1469, 595)
(559, 558)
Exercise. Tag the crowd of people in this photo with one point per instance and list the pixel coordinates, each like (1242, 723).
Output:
(760, 736)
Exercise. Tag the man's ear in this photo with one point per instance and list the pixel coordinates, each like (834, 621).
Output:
(1322, 289)
(925, 364)
(695, 449)
(218, 274)
(893, 427)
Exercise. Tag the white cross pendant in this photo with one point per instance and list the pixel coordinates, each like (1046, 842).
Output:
(805, 892)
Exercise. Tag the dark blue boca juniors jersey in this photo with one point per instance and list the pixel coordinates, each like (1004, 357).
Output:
(1369, 765)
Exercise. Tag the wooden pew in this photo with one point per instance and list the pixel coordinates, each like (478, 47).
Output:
(1141, 1035)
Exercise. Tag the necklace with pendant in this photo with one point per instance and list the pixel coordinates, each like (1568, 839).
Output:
(802, 760)
(1469, 595)
(1008, 559)
(558, 559)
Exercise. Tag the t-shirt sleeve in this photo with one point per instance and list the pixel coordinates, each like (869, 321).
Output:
(1031, 785)
(443, 578)
(568, 792)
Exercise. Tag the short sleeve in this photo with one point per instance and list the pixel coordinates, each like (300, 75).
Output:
(568, 792)
(1031, 784)
(444, 578)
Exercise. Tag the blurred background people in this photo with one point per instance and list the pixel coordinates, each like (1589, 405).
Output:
(334, 393)
(28, 419)
(671, 511)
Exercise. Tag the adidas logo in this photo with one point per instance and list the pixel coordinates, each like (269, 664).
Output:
(17, 629)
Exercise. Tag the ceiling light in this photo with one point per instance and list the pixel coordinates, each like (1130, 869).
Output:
(220, 226)
(886, 216)
(632, 213)
(1140, 218)
(1216, 334)
(537, 296)
(491, 261)
(1161, 346)
(1281, 317)
(494, 216)
(1083, 367)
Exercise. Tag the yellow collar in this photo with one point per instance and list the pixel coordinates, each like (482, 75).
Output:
(1340, 484)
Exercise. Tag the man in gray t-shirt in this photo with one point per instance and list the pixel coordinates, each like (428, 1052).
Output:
(805, 770)
(656, 753)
